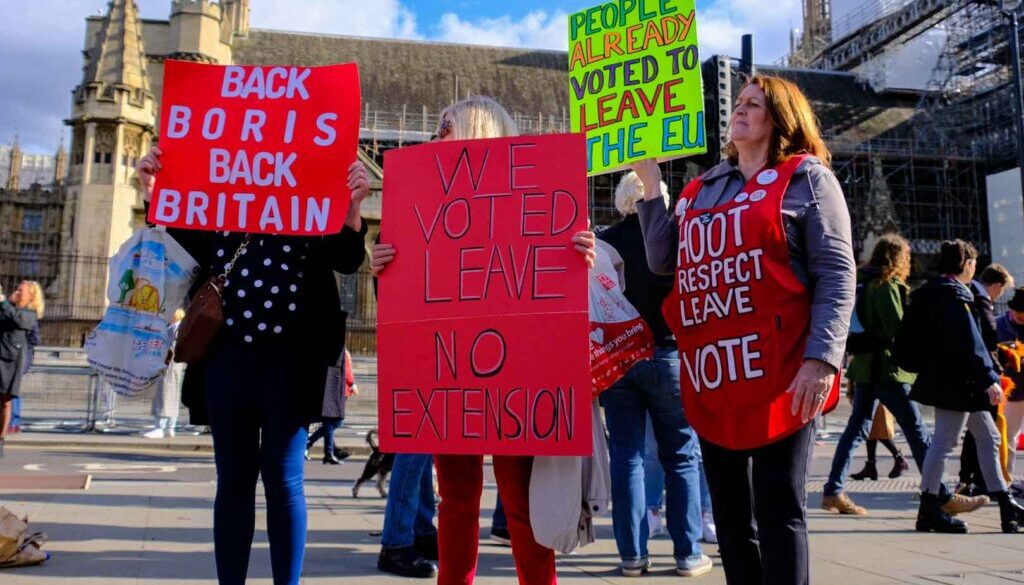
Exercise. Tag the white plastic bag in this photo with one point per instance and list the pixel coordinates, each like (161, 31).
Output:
(619, 337)
(148, 280)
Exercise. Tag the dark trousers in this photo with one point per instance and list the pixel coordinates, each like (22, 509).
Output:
(254, 435)
(326, 431)
(759, 500)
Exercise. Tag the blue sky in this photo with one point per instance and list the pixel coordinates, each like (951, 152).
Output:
(41, 40)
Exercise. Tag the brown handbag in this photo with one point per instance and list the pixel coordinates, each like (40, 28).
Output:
(204, 317)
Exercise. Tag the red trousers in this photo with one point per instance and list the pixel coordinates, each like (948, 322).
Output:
(461, 481)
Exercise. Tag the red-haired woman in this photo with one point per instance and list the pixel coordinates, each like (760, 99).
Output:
(762, 250)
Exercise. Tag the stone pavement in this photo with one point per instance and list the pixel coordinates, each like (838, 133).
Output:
(146, 519)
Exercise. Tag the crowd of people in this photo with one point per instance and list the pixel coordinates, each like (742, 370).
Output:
(708, 457)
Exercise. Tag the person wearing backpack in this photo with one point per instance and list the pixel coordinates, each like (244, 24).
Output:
(941, 340)
(881, 299)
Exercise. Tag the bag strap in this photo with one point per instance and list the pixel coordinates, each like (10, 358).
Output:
(238, 254)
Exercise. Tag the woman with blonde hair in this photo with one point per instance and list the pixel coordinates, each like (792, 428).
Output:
(19, 319)
(460, 477)
(761, 246)
(37, 304)
(642, 413)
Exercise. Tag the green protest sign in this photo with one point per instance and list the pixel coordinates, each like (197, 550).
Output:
(634, 82)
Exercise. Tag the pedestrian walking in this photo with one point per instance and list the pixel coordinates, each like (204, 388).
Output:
(762, 250)
(37, 304)
(941, 340)
(333, 414)
(167, 399)
(649, 394)
(460, 477)
(19, 316)
(994, 281)
(262, 381)
(877, 379)
(883, 430)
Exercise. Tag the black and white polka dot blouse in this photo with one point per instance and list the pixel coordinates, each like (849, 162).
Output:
(262, 294)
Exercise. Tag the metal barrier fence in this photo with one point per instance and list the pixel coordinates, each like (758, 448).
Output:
(62, 393)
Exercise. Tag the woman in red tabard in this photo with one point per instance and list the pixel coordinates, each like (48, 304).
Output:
(765, 282)
(460, 477)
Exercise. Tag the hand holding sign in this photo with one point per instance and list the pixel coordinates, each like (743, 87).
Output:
(255, 149)
(487, 290)
(634, 82)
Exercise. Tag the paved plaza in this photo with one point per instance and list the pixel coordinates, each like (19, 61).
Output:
(146, 519)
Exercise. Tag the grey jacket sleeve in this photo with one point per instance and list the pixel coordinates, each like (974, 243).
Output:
(661, 236)
(831, 268)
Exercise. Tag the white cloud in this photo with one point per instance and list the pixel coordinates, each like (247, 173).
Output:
(371, 18)
(536, 30)
(721, 24)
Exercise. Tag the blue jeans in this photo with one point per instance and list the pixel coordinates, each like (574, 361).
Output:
(654, 475)
(651, 387)
(254, 435)
(326, 431)
(410, 509)
(16, 411)
(895, 397)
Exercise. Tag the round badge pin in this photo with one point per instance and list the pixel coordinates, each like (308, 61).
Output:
(681, 207)
(742, 197)
(758, 195)
(767, 177)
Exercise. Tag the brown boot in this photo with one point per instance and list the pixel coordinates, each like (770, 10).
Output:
(842, 504)
(959, 504)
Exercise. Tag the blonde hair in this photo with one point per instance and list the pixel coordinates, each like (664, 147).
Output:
(477, 117)
(178, 315)
(37, 303)
(630, 190)
(794, 125)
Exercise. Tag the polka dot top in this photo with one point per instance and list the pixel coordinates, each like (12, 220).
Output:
(262, 295)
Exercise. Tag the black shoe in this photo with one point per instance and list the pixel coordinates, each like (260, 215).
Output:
(405, 562)
(331, 459)
(1011, 513)
(869, 472)
(931, 518)
(898, 467)
(426, 547)
(342, 454)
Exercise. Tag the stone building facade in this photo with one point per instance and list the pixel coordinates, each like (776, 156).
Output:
(32, 198)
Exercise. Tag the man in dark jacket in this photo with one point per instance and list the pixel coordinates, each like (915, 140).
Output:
(988, 289)
(958, 377)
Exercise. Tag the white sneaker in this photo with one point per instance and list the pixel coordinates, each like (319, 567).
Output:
(156, 433)
(655, 525)
(709, 532)
(694, 566)
(635, 568)
(170, 433)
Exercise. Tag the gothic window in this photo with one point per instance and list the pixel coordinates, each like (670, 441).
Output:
(32, 221)
(28, 260)
(104, 149)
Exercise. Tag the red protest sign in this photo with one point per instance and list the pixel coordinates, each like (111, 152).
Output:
(482, 317)
(256, 149)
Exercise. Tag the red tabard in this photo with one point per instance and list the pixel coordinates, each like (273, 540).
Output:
(740, 315)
